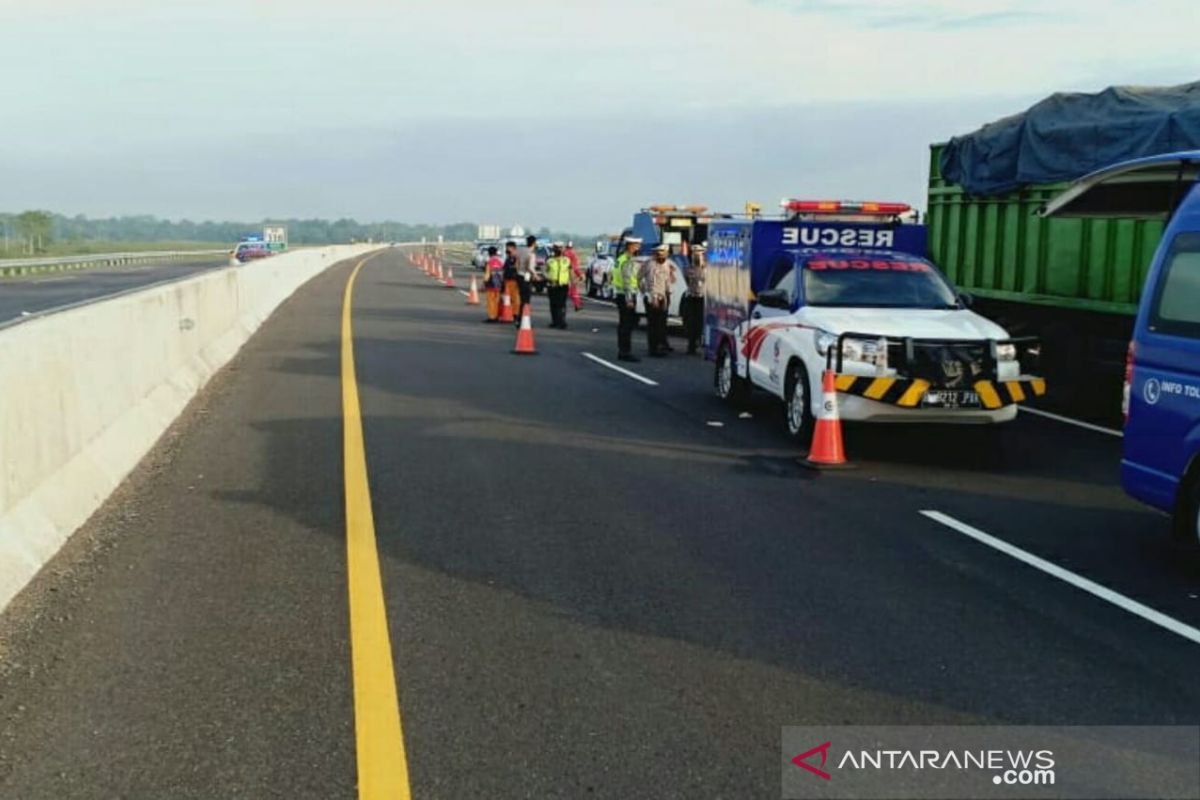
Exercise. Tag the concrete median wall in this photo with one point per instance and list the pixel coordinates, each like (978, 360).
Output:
(85, 393)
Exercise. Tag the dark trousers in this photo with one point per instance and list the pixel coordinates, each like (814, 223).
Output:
(558, 305)
(656, 328)
(691, 308)
(626, 322)
(526, 292)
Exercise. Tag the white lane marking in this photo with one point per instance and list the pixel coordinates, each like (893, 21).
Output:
(1069, 421)
(1078, 581)
(464, 294)
(621, 370)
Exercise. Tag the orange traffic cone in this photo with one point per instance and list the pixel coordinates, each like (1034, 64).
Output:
(524, 345)
(827, 451)
(449, 279)
(473, 295)
(506, 312)
(438, 274)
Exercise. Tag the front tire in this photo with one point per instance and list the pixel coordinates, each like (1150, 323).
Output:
(728, 386)
(797, 405)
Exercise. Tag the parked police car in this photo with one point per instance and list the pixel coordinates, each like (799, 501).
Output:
(845, 286)
(599, 272)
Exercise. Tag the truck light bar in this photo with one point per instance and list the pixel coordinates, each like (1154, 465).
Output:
(845, 207)
(677, 209)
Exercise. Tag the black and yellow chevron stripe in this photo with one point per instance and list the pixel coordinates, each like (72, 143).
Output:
(997, 394)
(907, 392)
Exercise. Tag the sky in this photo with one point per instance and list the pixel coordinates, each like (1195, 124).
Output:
(565, 114)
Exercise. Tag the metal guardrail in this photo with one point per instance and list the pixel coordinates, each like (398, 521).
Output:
(30, 266)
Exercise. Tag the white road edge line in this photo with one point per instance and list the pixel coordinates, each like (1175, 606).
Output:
(1078, 581)
(1069, 421)
(464, 294)
(621, 370)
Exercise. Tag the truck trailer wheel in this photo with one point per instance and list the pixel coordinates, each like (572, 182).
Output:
(729, 387)
(1187, 516)
(797, 407)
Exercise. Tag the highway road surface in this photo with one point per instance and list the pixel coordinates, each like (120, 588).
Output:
(542, 577)
(30, 294)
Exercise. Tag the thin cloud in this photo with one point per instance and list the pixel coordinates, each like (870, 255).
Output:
(933, 16)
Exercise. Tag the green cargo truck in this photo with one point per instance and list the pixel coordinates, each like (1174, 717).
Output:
(1073, 282)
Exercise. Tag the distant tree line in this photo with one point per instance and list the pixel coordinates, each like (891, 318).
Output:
(29, 232)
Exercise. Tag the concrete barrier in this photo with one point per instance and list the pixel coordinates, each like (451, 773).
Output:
(85, 393)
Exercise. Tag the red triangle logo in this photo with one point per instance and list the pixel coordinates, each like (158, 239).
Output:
(801, 760)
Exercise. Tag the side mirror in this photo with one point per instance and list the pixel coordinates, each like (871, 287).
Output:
(966, 299)
(774, 298)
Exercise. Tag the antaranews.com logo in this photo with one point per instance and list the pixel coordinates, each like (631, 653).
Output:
(1008, 767)
(981, 761)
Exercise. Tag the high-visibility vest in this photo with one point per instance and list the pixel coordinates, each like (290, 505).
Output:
(629, 275)
(618, 278)
(558, 270)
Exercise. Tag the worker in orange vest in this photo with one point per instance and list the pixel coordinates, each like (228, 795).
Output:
(576, 276)
(512, 276)
(493, 283)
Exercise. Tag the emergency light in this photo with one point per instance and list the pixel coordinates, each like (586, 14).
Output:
(845, 207)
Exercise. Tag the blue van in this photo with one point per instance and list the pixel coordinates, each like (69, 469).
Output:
(1160, 464)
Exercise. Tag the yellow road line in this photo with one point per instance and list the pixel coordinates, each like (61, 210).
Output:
(382, 764)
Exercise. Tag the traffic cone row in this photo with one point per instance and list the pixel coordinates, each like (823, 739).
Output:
(827, 450)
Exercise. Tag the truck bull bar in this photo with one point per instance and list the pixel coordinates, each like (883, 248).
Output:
(915, 378)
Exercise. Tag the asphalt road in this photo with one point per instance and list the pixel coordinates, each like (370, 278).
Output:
(591, 589)
(35, 293)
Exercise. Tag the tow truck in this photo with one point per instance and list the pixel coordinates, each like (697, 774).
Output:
(846, 287)
(679, 227)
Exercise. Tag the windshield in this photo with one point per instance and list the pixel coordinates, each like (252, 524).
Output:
(888, 282)
(1176, 308)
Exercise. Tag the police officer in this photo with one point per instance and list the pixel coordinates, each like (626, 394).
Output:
(528, 275)
(625, 285)
(656, 286)
(558, 283)
(691, 305)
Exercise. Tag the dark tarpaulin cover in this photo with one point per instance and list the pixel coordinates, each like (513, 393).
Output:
(1068, 135)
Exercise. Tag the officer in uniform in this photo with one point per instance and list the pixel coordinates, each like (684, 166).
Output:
(558, 283)
(625, 285)
(656, 284)
(527, 274)
(691, 305)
